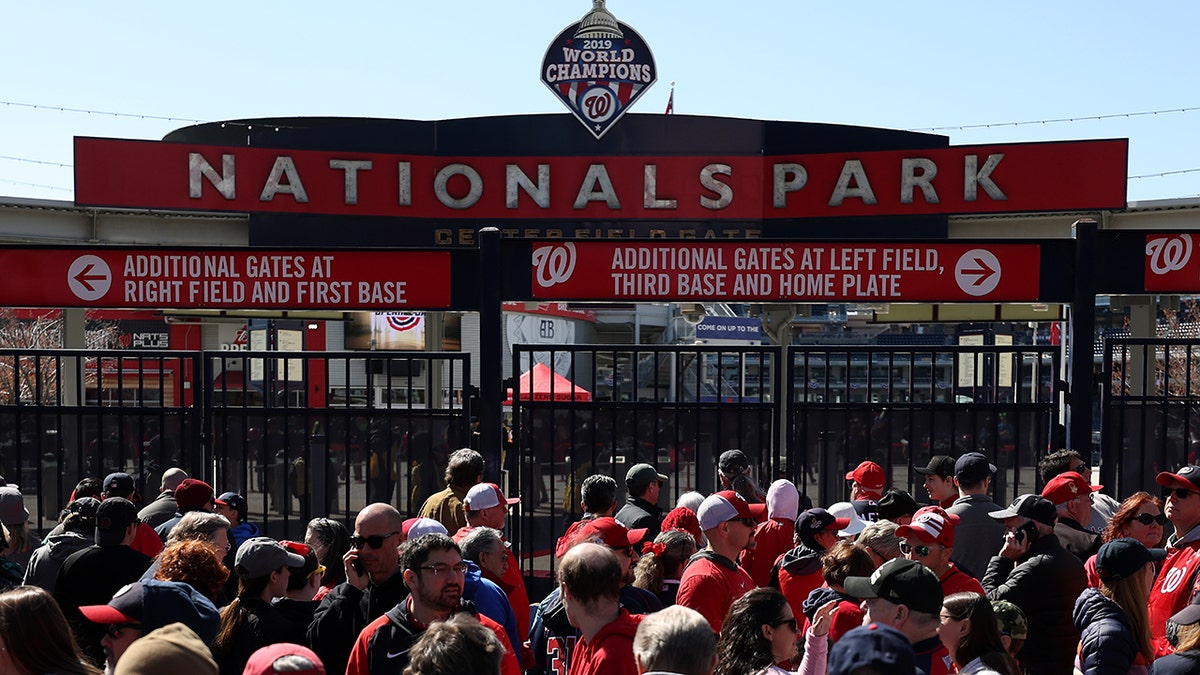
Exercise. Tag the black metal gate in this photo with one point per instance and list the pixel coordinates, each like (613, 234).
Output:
(612, 407)
(1150, 410)
(679, 407)
(898, 406)
(300, 435)
(70, 414)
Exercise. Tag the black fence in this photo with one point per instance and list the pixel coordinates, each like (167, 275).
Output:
(612, 407)
(66, 415)
(898, 406)
(304, 435)
(1150, 410)
(808, 418)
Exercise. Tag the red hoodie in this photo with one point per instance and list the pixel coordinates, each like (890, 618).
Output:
(610, 651)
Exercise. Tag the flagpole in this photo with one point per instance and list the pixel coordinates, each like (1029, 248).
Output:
(671, 100)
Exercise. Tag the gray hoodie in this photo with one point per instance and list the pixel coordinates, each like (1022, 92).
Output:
(46, 560)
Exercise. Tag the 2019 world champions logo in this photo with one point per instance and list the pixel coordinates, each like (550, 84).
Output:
(598, 68)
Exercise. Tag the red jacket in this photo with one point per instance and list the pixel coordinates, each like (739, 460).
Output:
(958, 581)
(610, 651)
(382, 647)
(772, 539)
(1173, 590)
(710, 584)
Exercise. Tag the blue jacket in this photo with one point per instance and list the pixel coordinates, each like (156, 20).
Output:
(243, 532)
(1107, 645)
(491, 602)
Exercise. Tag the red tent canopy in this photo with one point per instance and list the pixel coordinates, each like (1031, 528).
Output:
(536, 385)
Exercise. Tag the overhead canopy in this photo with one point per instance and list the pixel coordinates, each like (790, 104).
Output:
(542, 384)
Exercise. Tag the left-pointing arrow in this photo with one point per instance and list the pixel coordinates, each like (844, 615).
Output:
(85, 277)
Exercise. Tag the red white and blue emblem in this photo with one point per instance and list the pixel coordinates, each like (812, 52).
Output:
(598, 68)
(403, 321)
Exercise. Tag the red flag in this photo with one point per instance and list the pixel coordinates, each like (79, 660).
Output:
(1055, 333)
(671, 100)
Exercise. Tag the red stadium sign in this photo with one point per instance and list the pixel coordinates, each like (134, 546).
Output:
(225, 279)
(1058, 176)
(764, 272)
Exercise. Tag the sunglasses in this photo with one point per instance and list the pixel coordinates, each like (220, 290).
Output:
(748, 522)
(1147, 519)
(1182, 493)
(920, 551)
(790, 623)
(375, 541)
(114, 629)
(627, 550)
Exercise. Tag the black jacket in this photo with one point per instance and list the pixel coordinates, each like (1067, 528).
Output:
(1107, 646)
(344, 612)
(638, 513)
(265, 625)
(1044, 583)
(800, 561)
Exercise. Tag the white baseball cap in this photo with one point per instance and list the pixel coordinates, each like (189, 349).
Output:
(485, 496)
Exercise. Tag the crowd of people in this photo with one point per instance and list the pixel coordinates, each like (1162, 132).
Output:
(738, 582)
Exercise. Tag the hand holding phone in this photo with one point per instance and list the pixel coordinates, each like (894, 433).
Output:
(355, 574)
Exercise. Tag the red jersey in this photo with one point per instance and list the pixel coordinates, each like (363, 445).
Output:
(710, 584)
(610, 651)
(957, 581)
(1172, 591)
(932, 657)
(772, 539)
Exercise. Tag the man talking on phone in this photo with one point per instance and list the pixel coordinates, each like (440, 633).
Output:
(373, 585)
(1034, 572)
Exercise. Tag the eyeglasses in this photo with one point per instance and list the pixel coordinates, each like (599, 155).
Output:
(790, 623)
(320, 570)
(440, 569)
(1147, 519)
(375, 541)
(1181, 493)
(920, 551)
(114, 629)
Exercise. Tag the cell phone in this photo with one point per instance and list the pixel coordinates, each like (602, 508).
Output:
(1028, 529)
(358, 567)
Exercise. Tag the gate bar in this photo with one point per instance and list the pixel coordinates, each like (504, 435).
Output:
(1083, 339)
(491, 350)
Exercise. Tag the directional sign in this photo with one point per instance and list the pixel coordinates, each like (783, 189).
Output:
(786, 272)
(225, 279)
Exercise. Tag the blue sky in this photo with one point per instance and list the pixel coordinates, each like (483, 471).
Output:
(898, 65)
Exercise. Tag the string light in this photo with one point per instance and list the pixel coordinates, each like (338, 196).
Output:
(36, 185)
(1085, 118)
(1164, 173)
(36, 161)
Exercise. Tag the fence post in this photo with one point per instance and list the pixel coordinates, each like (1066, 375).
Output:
(1081, 363)
(491, 351)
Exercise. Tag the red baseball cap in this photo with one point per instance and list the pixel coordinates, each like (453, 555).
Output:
(1066, 486)
(869, 475)
(612, 533)
(932, 525)
(1187, 478)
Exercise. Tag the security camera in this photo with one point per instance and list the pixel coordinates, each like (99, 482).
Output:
(693, 312)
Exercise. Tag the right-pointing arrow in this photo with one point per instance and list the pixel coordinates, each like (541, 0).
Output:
(981, 273)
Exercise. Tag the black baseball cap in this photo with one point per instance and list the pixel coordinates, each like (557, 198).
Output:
(972, 467)
(939, 465)
(1033, 507)
(901, 582)
(733, 460)
(1122, 558)
(896, 503)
